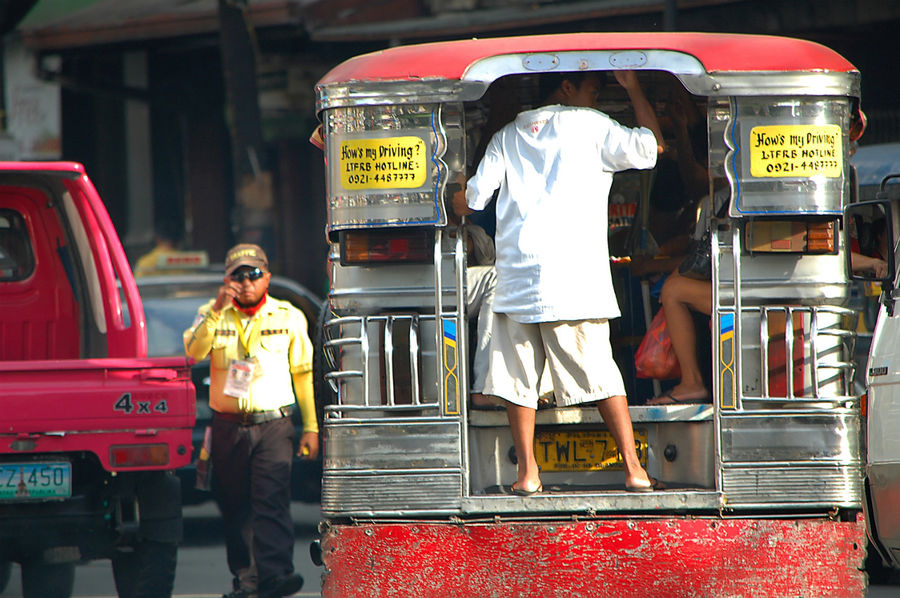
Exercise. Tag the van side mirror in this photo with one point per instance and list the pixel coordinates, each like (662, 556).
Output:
(869, 237)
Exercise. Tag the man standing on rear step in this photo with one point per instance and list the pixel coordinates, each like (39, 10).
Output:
(554, 166)
(260, 359)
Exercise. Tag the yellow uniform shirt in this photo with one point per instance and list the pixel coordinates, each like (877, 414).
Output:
(276, 337)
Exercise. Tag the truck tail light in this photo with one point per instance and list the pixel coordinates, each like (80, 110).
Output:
(138, 455)
(791, 236)
(397, 245)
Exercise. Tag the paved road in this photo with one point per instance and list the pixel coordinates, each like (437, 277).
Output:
(202, 571)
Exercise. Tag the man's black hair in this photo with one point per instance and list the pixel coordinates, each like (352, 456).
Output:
(550, 82)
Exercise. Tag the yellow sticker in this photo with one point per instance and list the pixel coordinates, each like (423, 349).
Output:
(796, 151)
(386, 163)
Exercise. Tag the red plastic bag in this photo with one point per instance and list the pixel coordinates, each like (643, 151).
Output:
(655, 357)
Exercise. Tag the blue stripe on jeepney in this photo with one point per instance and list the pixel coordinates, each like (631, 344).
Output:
(726, 323)
(450, 329)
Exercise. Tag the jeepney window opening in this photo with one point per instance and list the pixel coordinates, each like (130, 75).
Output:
(510, 94)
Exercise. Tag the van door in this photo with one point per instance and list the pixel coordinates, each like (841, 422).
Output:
(870, 226)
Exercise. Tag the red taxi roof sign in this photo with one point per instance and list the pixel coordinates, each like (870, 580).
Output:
(179, 260)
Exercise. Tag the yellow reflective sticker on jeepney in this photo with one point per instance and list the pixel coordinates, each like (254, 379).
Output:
(384, 163)
(796, 151)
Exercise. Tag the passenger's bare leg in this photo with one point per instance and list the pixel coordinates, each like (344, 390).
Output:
(521, 424)
(481, 400)
(679, 297)
(614, 411)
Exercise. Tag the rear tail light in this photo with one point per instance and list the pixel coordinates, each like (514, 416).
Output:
(397, 245)
(791, 236)
(820, 237)
(138, 455)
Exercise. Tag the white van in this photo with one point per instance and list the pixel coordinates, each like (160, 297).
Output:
(876, 222)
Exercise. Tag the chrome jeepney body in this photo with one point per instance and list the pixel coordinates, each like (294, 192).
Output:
(401, 126)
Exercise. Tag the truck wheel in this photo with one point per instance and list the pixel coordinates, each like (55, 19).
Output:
(47, 580)
(878, 572)
(5, 573)
(147, 572)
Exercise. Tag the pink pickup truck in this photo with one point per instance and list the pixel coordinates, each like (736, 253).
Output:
(91, 429)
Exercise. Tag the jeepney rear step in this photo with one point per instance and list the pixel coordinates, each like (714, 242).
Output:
(612, 500)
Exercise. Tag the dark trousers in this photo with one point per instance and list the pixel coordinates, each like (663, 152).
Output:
(252, 466)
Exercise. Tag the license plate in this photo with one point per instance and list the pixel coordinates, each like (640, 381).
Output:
(584, 450)
(35, 480)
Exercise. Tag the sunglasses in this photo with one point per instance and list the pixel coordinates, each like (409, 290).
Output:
(241, 276)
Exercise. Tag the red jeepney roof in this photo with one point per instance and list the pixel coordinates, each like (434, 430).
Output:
(718, 52)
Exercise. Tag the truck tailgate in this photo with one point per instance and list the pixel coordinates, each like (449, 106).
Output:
(97, 404)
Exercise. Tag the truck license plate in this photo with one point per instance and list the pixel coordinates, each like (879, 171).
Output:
(583, 450)
(35, 480)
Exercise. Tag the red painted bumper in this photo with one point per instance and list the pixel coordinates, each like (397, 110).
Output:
(628, 558)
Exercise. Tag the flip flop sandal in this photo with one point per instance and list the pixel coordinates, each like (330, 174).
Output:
(654, 486)
(670, 399)
(522, 492)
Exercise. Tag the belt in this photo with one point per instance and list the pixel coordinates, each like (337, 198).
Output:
(252, 418)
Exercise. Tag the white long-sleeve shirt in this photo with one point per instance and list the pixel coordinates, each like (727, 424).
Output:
(554, 167)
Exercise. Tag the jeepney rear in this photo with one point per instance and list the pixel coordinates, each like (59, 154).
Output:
(773, 462)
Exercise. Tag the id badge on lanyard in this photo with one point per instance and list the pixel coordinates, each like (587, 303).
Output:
(242, 372)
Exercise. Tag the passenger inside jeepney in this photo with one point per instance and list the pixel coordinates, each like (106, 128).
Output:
(681, 296)
(678, 205)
